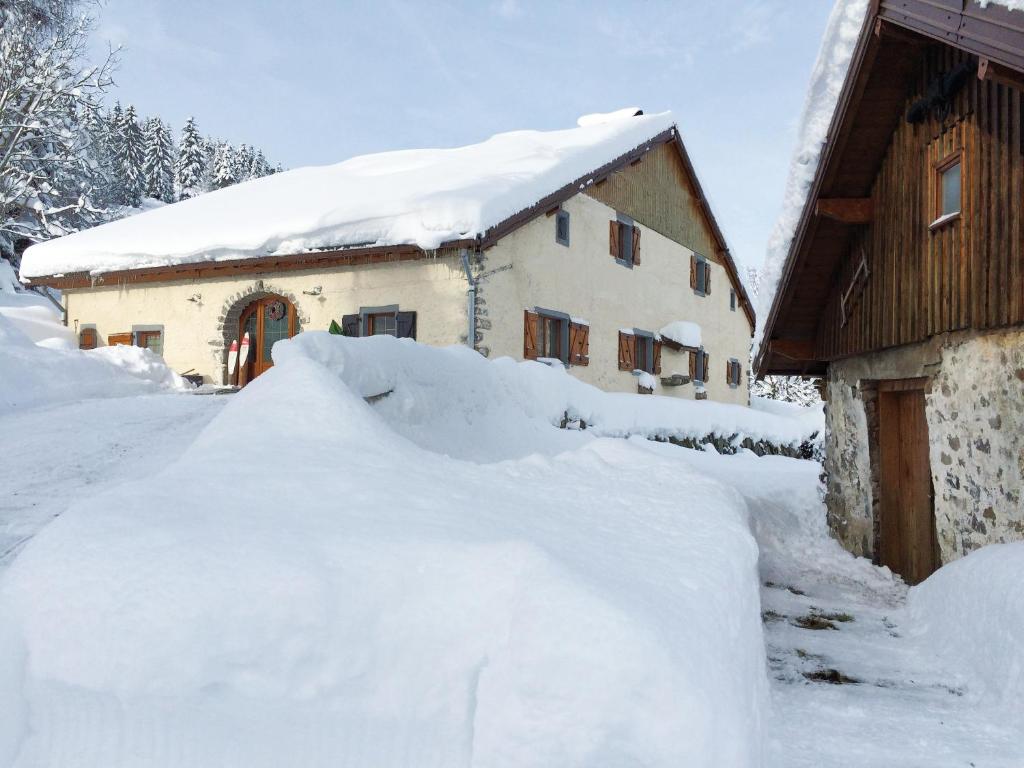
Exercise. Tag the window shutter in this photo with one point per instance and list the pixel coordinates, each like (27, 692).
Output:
(707, 278)
(627, 350)
(728, 372)
(530, 321)
(613, 238)
(693, 365)
(405, 325)
(636, 245)
(350, 325)
(704, 375)
(87, 338)
(657, 357)
(119, 338)
(693, 271)
(579, 344)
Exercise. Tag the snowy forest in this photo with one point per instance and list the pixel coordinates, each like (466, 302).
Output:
(67, 161)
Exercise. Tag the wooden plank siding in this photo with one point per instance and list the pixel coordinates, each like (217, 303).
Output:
(657, 192)
(967, 273)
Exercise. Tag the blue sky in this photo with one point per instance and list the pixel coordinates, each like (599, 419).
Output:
(317, 81)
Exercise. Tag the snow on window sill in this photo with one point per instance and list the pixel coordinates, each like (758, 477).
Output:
(943, 220)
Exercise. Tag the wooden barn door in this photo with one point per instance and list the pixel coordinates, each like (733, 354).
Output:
(907, 541)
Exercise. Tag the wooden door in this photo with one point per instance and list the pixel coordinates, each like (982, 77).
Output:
(907, 540)
(267, 321)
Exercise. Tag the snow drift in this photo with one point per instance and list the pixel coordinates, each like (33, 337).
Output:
(972, 612)
(307, 586)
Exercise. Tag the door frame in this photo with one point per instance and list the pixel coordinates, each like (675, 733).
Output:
(257, 365)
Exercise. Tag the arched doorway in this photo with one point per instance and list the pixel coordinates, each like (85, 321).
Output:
(267, 320)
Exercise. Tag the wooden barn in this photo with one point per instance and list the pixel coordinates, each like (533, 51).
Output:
(904, 286)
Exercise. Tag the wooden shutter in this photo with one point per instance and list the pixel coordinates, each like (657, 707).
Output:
(627, 351)
(350, 325)
(728, 372)
(87, 338)
(693, 271)
(636, 245)
(530, 322)
(705, 374)
(405, 325)
(613, 238)
(707, 278)
(579, 344)
(119, 338)
(657, 356)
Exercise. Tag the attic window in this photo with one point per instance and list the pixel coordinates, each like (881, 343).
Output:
(948, 190)
(562, 228)
(732, 299)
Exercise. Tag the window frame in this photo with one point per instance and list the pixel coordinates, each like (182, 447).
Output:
(366, 315)
(562, 215)
(701, 288)
(137, 330)
(648, 337)
(732, 299)
(943, 166)
(737, 379)
(700, 366)
(563, 319)
(626, 226)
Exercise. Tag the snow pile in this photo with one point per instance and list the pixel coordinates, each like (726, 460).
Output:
(972, 612)
(1013, 5)
(424, 197)
(304, 586)
(827, 80)
(53, 370)
(682, 332)
(502, 409)
(31, 313)
(602, 118)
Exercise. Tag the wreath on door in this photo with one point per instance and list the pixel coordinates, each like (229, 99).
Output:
(276, 310)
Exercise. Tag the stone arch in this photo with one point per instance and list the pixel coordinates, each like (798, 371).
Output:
(231, 313)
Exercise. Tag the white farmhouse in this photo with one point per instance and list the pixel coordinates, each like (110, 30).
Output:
(575, 247)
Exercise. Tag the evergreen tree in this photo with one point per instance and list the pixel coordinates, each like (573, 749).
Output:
(243, 163)
(224, 163)
(190, 170)
(158, 166)
(129, 159)
(259, 167)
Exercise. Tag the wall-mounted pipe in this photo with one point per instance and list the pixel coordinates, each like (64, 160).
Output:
(470, 300)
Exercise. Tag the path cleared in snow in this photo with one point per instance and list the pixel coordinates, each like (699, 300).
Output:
(885, 699)
(53, 456)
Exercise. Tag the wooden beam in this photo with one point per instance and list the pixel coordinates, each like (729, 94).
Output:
(895, 32)
(793, 349)
(849, 210)
(997, 73)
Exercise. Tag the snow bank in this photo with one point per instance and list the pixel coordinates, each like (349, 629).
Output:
(682, 332)
(53, 370)
(31, 313)
(304, 586)
(972, 612)
(503, 409)
(425, 197)
(827, 78)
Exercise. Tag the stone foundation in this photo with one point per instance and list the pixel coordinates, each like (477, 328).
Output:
(974, 405)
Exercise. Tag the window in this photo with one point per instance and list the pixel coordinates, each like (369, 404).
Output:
(380, 321)
(87, 338)
(149, 337)
(699, 361)
(733, 373)
(381, 324)
(732, 299)
(562, 228)
(624, 241)
(639, 351)
(700, 275)
(948, 190)
(555, 335)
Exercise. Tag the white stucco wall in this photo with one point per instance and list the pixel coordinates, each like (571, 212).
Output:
(583, 280)
(193, 339)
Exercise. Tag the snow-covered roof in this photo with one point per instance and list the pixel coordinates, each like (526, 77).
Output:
(682, 332)
(422, 197)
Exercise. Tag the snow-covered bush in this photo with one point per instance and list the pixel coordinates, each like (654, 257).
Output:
(306, 586)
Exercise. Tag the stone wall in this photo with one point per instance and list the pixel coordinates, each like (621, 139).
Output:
(974, 405)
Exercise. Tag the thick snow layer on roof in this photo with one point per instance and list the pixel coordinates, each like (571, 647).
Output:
(827, 78)
(423, 197)
(682, 332)
(1013, 5)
